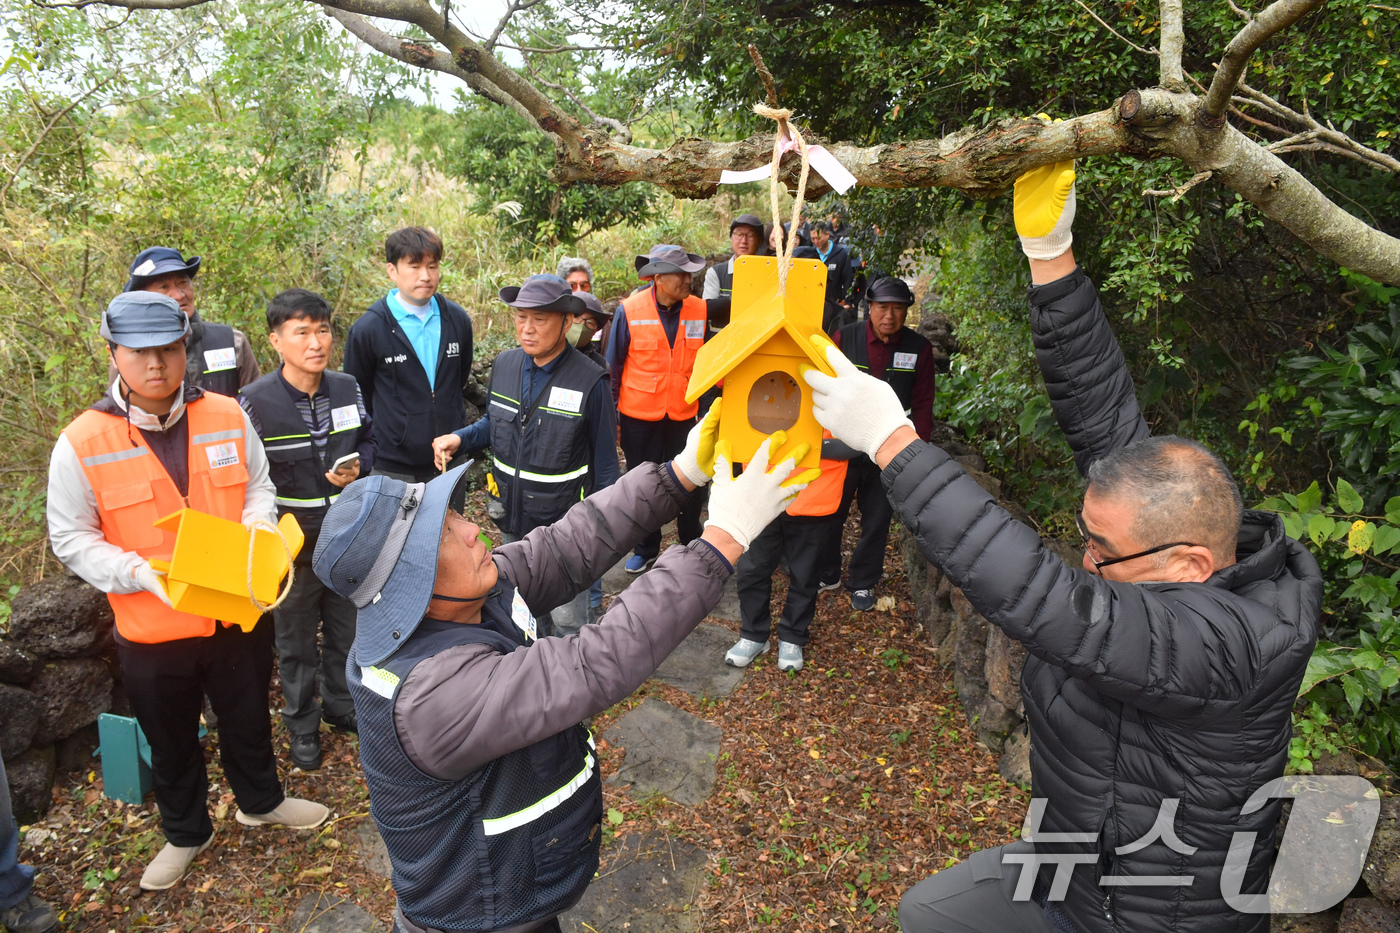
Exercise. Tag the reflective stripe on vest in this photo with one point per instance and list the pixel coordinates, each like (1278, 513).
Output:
(509, 470)
(656, 374)
(502, 824)
(133, 491)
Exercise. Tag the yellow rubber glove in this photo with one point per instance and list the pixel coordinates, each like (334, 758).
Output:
(492, 487)
(1045, 210)
(697, 460)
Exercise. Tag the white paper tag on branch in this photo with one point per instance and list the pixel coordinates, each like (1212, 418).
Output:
(822, 162)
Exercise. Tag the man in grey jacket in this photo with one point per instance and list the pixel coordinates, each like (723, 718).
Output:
(1161, 676)
(483, 783)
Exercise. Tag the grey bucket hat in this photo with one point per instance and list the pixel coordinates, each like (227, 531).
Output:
(665, 258)
(543, 293)
(379, 549)
(140, 320)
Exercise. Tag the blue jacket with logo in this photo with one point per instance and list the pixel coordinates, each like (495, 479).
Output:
(408, 413)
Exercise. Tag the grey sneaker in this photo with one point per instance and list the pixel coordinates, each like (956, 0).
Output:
(862, 600)
(824, 587)
(744, 651)
(170, 865)
(292, 812)
(789, 656)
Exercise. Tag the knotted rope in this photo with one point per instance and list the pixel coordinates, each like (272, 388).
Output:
(291, 570)
(784, 140)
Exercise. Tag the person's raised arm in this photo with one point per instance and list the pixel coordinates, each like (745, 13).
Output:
(1086, 376)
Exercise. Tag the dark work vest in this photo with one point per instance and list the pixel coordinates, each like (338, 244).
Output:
(906, 351)
(541, 455)
(297, 468)
(210, 362)
(726, 277)
(514, 841)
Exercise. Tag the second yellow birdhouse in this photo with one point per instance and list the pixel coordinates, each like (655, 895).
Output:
(759, 356)
(207, 574)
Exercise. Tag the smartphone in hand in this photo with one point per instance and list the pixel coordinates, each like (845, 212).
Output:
(346, 464)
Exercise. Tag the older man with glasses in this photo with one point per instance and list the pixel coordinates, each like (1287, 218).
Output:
(1161, 677)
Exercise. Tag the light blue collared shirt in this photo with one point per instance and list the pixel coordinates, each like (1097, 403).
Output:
(424, 333)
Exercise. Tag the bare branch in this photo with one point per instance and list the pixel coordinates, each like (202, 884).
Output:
(766, 76)
(1116, 32)
(1342, 143)
(1171, 44)
(1276, 17)
(128, 4)
(419, 55)
(515, 7)
(1243, 14)
(620, 129)
(1177, 193)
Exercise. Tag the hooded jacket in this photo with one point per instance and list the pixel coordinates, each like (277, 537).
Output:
(1135, 694)
(408, 412)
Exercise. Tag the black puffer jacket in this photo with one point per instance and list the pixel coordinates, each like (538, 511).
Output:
(1134, 693)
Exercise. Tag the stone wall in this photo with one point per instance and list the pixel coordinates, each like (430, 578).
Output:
(986, 665)
(58, 673)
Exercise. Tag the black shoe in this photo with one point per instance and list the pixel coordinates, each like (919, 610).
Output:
(30, 915)
(862, 600)
(346, 723)
(306, 751)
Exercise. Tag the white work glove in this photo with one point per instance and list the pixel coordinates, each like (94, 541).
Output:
(148, 578)
(854, 406)
(1044, 210)
(745, 505)
(697, 460)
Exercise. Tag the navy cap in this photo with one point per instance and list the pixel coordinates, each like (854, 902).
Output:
(158, 260)
(543, 293)
(592, 305)
(889, 289)
(747, 220)
(379, 549)
(140, 320)
(665, 258)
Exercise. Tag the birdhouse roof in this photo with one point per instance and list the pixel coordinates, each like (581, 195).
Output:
(798, 312)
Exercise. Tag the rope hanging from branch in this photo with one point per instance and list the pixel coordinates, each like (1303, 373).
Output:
(784, 140)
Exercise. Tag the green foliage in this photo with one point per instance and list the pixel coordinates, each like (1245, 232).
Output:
(1351, 680)
(506, 163)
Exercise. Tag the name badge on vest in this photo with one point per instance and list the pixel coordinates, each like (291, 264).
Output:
(831, 266)
(217, 360)
(222, 455)
(694, 330)
(565, 399)
(347, 416)
(905, 360)
(520, 615)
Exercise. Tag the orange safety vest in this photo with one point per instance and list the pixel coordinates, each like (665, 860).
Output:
(133, 491)
(655, 374)
(823, 494)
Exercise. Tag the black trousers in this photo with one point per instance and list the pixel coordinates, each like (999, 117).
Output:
(657, 442)
(868, 560)
(167, 683)
(975, 896)
(311, 607)
(802, 540)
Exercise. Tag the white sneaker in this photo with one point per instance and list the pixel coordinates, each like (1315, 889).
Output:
(789, 656)
(170, 865)
(744, 651)
(292, 812)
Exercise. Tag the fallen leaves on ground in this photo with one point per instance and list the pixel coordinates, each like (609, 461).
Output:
(838, 788)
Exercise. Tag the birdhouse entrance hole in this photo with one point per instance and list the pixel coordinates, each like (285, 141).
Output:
(775, 402)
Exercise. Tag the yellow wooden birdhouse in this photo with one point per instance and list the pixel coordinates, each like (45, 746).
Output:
(207, 574)
(760, 354)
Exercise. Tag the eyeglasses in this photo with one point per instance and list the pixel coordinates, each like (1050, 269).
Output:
(1100, 564)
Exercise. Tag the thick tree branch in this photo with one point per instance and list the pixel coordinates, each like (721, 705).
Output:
(419, 55)
(1172, 42)
(1276, 17)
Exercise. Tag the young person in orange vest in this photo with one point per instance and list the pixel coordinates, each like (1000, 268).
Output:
(798, 535)
(151, 446)
(651, 351)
